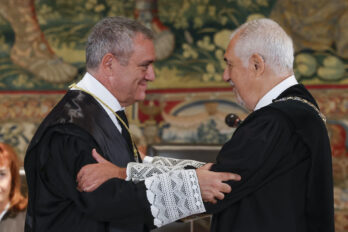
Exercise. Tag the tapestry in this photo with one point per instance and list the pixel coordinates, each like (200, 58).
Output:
(42, 42)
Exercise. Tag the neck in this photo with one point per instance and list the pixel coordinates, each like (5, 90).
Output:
(273, 79)
(101, 77)
(267, 83)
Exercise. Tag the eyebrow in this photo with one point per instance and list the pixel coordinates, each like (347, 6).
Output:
(147, 62)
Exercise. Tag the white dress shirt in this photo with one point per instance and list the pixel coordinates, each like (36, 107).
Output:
(89, 83)
(276, 91)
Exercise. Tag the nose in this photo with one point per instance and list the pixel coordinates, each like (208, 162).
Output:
(150, 73)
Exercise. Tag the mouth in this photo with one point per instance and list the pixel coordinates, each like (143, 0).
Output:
(143, 84)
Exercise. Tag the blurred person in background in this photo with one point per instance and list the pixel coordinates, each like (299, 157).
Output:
(12, 203)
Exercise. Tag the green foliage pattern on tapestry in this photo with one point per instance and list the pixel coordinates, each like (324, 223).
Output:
(201, 30)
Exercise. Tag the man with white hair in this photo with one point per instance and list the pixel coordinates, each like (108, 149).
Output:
(281, 150)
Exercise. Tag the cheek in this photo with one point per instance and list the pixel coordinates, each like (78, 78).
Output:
(140, 85)
(5, 184)
(236, 76)
(140, 92)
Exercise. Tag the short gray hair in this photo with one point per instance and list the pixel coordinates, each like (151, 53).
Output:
(114, 35)
(266, 38)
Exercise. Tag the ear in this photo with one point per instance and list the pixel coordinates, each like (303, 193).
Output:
(257, 64)
(106, 62)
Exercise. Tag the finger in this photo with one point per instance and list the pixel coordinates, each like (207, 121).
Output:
(84, 171)
(94, 187)
(79, 189)
(209, 197)
(236, 177)
(219, 195)
(80, 174)
(81, 184)
(90, 188)
(86, 185)
(225, 188)
(97, 156)
(86, 181)
(225, 176)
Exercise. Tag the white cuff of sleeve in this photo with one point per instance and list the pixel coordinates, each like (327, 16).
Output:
(147, 159)
(174, 195)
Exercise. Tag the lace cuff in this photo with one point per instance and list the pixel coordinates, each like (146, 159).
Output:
(147, 159)
(164, 161)
(174, 195)
(139, 171)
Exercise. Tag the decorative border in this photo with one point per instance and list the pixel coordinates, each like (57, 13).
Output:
(22, 111)
(26, 107)
(33, 106)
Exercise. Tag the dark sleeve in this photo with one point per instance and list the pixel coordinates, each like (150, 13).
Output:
(260, 150)
(67, 149)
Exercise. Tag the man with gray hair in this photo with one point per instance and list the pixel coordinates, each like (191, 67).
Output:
(119, 59)
(281, 149)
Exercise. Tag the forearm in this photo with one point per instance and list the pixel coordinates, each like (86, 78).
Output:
(157, 165)
(140, 171)
(170, 195)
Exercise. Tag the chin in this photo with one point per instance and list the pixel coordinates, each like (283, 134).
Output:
(140, 97)
(239, 99)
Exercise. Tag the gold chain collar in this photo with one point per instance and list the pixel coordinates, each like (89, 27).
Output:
(135, 152)
(321, 115)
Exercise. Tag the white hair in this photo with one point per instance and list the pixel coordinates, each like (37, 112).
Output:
(266, 38)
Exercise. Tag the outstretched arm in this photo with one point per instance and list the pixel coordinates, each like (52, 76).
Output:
(172, 195)
(91, 176)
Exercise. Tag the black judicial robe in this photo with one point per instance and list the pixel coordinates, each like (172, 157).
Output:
(60, 147)
(283, 155)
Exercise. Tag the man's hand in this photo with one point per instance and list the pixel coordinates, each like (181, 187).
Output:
(91, 176)
(211, 184)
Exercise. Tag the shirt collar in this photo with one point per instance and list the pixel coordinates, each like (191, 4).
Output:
(2, 214)
(276, 91)
(92, 85)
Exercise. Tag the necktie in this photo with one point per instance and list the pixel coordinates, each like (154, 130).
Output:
(125, 132)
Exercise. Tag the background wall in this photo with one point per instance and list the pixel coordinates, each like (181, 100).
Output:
(42, 52)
